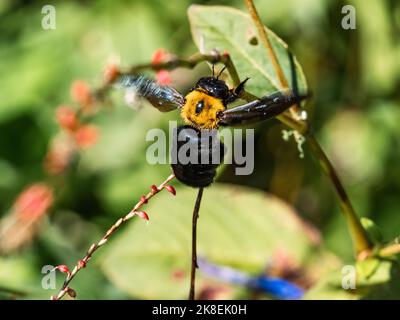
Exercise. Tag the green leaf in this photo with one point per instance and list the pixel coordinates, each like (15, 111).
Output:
(231, 30)
(366, 268)
(372, 229)
(374, 280)
(238, 226)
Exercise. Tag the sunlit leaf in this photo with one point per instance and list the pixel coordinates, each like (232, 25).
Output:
(372, 229)
(239, 227)
(382, 283)
(231, 30)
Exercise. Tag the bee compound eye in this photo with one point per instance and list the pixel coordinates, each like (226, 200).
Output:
(199, 107)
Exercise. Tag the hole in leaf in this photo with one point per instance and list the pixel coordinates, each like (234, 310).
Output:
(253, 41)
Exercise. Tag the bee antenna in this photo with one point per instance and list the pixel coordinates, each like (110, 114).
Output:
(222, 70)
(213, 69)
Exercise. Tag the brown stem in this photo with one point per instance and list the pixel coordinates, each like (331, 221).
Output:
(194, 245)
(94, 247)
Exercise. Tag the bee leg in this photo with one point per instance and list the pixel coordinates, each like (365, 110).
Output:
(240, 88)
(237, 92)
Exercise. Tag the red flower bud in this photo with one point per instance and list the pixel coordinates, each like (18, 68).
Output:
(86, 136)
(81, 264)
(178, 274)
(143, 199)
(163, 77)
(171, 189)
(67, 118)
(154, 188)
(63, 268)
(111, 73)
(142, 215)
(160, 56)
(34, 201)
(60, 155)
(80, 92)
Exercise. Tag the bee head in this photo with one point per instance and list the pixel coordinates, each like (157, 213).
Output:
(214, 87)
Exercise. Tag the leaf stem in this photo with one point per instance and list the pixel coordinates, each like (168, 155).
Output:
(194, 265)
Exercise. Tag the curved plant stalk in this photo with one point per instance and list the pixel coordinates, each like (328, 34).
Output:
(358, 234)
(95, 246)
(194, 265)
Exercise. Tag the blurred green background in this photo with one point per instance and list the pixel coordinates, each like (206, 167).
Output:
(354, 75)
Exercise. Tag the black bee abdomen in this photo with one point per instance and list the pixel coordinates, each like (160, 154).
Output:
(196, 155)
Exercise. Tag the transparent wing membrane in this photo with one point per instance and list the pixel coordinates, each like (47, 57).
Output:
(163, 98)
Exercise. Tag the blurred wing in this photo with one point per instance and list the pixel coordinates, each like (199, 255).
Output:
(163, 98)
(262, 109)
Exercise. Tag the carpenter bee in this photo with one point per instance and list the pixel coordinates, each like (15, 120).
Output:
(205, 107)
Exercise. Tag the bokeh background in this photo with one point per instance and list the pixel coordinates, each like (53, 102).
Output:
(354, 75)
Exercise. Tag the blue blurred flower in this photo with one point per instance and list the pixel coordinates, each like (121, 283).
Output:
(276, 287)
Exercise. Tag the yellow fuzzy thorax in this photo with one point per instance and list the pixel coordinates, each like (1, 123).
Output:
(207, 118)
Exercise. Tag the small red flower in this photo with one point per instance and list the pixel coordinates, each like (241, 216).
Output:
(82, 264)
(34, 201)
(178, 274)
(86, 136)
(111, 73)
(143, 199)
(67, 118)
(63, 268)
(143, 215)
(171, 189)
(160, 56)
(163, 77)
(80, 92)
(59, 156)
(154, 188)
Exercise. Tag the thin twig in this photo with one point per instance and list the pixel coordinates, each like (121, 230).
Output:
(194, 245)
(94, 247)
(189, 63)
